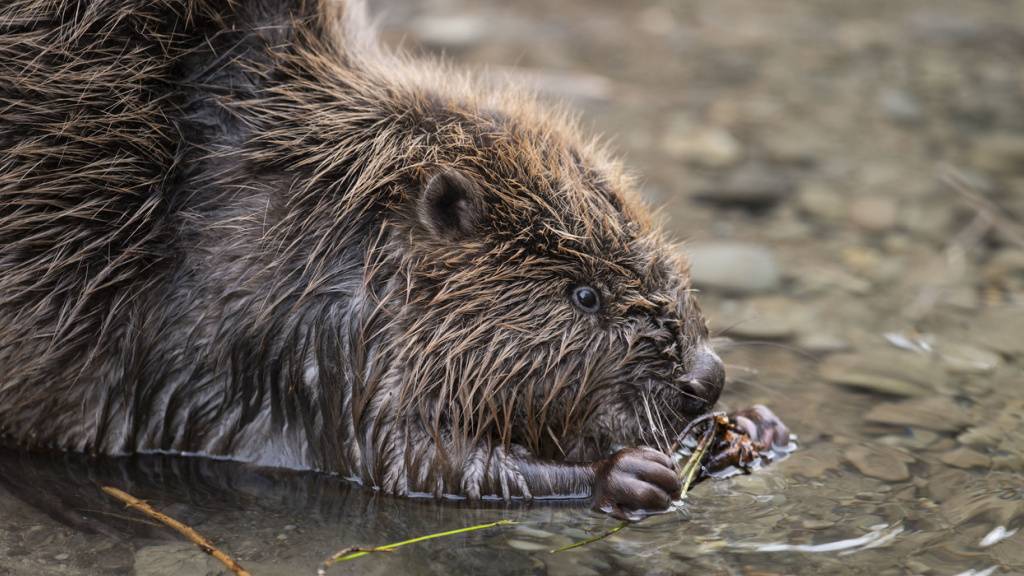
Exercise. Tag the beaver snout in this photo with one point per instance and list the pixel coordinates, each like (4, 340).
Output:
(704, 381)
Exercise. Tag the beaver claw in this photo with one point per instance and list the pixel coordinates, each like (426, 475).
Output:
(633, 482)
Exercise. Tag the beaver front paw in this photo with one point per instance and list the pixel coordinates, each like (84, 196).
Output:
(633, 482)
(762, 426)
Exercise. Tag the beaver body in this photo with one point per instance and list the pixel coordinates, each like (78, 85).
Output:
(244, 230)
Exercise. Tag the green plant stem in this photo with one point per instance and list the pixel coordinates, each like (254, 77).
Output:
(592, 539)
(346, 555)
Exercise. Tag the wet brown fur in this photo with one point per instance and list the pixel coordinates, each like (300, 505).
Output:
(213, 240)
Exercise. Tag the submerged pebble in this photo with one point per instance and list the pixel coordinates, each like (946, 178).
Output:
(937, 413)
(967, 359)
(966, 458)
(526, 546)
(880, 462)
(175, 560)
(883, 371)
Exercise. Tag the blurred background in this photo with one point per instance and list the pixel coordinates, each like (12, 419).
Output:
(848, 178)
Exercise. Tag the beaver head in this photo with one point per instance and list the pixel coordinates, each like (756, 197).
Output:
(538, 301)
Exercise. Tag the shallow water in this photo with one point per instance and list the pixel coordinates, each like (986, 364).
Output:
(867, 157)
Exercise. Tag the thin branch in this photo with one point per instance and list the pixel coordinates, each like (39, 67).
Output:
(193, 536)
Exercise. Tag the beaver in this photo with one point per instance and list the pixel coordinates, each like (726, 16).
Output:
(246, 230)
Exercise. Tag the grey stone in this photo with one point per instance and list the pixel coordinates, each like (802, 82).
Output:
(753, 186)
(880, 462)
(937, 413)
(1001, 153)
(891, 372)
(525, 545)
(449, 31)
(734, 267)
(967, 359)
(823, 342)
(899, 106)
(999, 329)
(874, 213)
(581, 86)
(707, 146)
(821, 202)
(767, 318)
(175, 560)
(966, 458)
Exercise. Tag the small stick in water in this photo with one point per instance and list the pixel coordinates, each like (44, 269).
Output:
(354, 552)
(592, 539)
(193, 536)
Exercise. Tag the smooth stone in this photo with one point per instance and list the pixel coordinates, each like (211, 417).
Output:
(918, 439)
(937, 413)
(890, 372)
(533, 532)
(449, 31)
(879, 462)
(706, 146)
(1009, 462)
(983, 435)
(580, 86)
(526, 546)
(771, 318)
(795, 145)
(812, 464)
(965, 359)
(175, 560)
(1000, 153)
(753, 186)
(821, 202)
(822, 342)
(733, 267)
(998, 431)
(874, 213)
(966, 458)
(899, 106)
(927, 218)
(999, 329)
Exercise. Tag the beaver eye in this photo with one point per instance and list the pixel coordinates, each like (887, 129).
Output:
(586, 299)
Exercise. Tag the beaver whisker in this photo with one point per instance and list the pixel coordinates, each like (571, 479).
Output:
(663, 446)
(680, 390)
(640, 425)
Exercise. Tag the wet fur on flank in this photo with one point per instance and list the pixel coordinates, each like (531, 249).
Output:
(243, 229)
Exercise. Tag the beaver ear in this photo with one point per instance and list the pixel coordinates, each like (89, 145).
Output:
(450, 205)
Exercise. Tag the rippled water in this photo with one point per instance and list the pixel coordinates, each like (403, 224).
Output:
(867, 157)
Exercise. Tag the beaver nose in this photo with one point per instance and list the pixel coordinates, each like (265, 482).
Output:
(704, 380)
